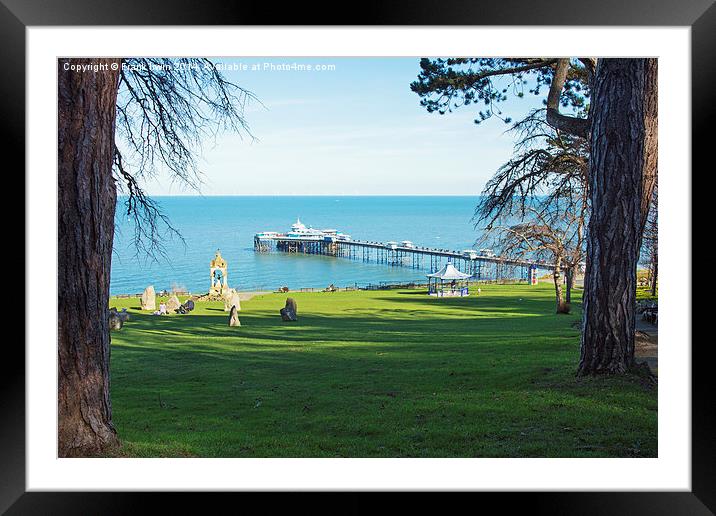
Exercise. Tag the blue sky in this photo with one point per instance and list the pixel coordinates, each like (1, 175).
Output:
(354, 130)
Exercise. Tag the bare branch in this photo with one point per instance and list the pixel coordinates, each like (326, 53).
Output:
(152, 228)
(549, 170)
(166, 109)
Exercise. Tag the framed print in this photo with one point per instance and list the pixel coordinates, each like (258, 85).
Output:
(412, 251)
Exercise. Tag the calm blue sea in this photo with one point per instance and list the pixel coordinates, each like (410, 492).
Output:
(229, 224)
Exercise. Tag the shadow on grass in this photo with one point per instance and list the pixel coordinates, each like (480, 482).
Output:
(372, 378)
(490, 301)
(530, 362)
(379, 327)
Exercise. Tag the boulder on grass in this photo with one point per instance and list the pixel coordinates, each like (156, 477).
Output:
(289, 312)
(235, 300)
(115, 320)
(226, 295)
(149, 299)
(173, 304)
(234, 317)
(231, 298)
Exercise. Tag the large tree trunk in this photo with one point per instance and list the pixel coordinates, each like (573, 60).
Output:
(617, 162)
(654, 271)
(651, 150)
(86, 207)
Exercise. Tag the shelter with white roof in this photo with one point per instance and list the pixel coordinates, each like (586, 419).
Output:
(448, 281)
(298, 226)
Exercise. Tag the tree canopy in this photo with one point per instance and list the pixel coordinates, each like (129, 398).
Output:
(447, 84)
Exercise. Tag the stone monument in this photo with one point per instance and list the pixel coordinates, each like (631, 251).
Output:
(234, 317)
(173, 303)
(231, 298)
(218, 271)
(289, 312)
(149, 299)
(115, 321)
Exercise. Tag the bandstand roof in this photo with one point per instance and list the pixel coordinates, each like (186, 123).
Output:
(449, 272)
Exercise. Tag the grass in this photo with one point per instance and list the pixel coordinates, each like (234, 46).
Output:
(644, 293)
(372, 374)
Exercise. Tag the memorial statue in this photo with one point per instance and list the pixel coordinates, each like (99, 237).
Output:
(219, 276)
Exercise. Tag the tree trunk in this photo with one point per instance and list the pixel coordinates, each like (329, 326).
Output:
(652, 231)
(577, 254)
(570, 284)
(617, 163)
(651, 150)
(86, 207)
(558, 284)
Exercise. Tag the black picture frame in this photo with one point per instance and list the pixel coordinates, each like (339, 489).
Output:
(17, 15)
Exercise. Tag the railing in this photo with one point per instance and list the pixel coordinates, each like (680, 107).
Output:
(450, 292)
(162, 293)
(285, 244)
(349, 288)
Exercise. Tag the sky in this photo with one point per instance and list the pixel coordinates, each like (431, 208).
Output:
(355, 129)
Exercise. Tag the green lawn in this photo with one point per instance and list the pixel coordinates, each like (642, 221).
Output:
(644, 293)
(372, 374)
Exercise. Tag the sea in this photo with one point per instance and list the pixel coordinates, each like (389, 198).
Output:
(210, 223)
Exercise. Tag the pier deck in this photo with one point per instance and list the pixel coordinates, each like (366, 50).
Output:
(480, 266)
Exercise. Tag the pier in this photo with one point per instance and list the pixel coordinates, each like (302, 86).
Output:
(480, 266)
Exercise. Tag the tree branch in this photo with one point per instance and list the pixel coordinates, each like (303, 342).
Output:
(569, 124)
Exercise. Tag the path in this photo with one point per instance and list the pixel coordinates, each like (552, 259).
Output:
(245, 296)
(647, 344)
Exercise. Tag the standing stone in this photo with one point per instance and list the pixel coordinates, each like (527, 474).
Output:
(235, 300)
(231, 298)
(289, 312)
(234, 317)
(115, 320)
(226, 296)
(173, 304)
(149, 299)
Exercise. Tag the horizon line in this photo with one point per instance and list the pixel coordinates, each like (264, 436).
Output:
(307, 195)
